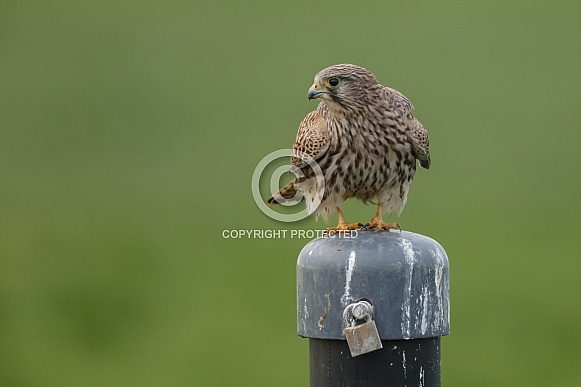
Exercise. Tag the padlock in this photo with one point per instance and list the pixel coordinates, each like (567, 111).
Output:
(362, 338)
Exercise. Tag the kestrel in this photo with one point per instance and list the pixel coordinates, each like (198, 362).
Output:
(365, 140)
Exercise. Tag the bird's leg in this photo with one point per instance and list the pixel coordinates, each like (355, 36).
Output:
(343, 225)
(377, 221)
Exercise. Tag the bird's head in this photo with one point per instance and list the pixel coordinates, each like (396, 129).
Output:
(342, 86)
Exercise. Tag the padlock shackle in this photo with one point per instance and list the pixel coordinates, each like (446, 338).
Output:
(349, 310)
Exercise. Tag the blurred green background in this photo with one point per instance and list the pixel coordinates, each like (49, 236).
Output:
(129, 135)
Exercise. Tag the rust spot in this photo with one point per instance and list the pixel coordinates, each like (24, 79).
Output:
(325, 311)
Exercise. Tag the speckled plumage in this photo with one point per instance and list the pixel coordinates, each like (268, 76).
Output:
(365, 139)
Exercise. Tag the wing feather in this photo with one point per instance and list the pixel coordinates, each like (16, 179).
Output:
(313, 138)
(418, 133)
(421, 143)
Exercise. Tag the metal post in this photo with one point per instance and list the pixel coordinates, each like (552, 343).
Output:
(404, 277)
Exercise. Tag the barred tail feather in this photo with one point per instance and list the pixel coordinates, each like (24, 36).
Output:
(286, 194)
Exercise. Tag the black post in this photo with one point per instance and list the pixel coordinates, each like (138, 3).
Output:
(404, 276)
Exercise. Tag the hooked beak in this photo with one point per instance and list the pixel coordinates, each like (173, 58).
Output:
(315, 91)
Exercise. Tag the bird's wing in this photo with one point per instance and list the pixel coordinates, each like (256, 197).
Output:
(313, 138)
(419, 134)
(420, 143)
(398, 101)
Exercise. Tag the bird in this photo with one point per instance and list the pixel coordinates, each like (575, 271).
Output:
(366, 143)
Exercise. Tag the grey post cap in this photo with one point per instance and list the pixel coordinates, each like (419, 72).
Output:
(404, 275)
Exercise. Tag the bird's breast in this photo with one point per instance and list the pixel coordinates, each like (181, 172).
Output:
(365, 158)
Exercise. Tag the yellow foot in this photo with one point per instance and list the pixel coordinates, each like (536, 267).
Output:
(344, 227)
(378, 223)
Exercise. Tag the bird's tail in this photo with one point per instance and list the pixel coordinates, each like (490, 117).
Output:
(287, 194)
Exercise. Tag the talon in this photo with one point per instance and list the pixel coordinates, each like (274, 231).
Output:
(377, 221)
(378, 224)
(342, 227)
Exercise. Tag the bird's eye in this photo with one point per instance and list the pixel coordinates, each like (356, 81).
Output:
(332, 82)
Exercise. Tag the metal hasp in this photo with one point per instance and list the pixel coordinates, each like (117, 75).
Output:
(404, 277)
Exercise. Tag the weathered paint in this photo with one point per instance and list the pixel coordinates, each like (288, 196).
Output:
(346, 297)
(410, 259)
(404, 275)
